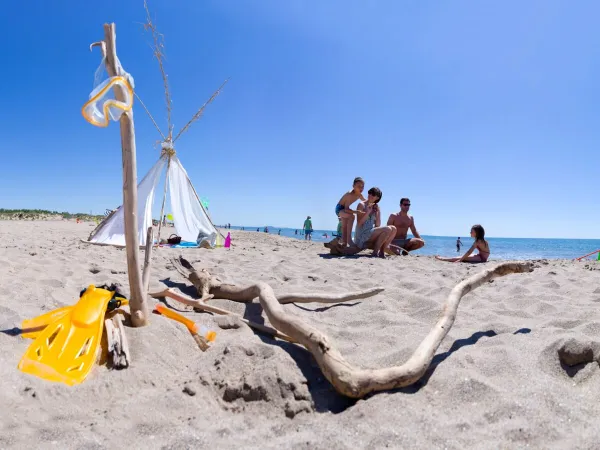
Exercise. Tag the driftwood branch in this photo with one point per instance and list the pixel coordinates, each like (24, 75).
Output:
(118, 347)
(209, 286)
(137, 302)
(200, 112)
(328, 298)
(102, 46)
(158, 50)
(147, 258)
(201, 305)
(347, 379)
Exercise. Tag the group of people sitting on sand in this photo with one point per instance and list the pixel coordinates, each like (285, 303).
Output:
(392, 238)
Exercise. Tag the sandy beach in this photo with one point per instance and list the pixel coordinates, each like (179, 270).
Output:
(496, 381)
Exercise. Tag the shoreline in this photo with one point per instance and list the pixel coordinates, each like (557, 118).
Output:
(501, 247)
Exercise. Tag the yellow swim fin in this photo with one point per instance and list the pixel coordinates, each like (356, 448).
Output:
(65, 351)
(31, 328)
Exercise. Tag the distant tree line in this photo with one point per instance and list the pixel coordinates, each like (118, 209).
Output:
(40, 212)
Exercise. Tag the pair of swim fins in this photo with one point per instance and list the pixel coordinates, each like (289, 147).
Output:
(67, 339)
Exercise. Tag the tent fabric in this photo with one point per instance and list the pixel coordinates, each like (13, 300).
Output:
(190, 220)
(189, 217)
(112, 230)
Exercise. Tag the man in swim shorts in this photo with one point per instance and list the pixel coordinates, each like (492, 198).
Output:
(403, 221)
(308, 229)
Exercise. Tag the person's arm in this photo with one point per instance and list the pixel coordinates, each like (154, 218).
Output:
(414, 229)
(466, 255)
(378, 217)
(362, 217)
(390, 220)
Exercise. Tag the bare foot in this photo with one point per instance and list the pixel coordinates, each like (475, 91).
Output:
(375, 253)
(382, 254)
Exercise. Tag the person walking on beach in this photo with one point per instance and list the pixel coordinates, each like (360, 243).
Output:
(480, 244)
(458, 244)
(403, 221)
(308, 229)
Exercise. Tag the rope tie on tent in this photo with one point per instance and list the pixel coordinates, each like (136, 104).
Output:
(167, 149)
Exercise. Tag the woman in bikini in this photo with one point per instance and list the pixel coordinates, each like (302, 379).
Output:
(480, 244)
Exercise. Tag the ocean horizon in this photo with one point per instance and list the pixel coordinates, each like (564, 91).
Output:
(501, 248)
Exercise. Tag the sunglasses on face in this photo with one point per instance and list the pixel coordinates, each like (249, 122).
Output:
(405, 204)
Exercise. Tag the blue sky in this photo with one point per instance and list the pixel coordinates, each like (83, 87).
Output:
(480, 112)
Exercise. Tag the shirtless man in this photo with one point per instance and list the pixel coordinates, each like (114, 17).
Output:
(402, 221)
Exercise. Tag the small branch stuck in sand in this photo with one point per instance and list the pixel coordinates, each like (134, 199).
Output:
(118, 347)
(348, 380)
(147, 259)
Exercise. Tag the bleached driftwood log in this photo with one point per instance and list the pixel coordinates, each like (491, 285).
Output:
(137, 301)
(118, 347)
(209, 286)
(348, 380)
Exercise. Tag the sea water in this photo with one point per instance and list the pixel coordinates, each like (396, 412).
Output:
(501, 248)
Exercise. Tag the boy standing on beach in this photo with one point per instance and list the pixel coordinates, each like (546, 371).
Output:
(343, 211)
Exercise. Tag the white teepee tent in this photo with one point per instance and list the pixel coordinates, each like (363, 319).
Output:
(190, 218)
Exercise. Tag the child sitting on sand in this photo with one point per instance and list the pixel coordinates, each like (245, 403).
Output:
(480, 244)
(343, 211)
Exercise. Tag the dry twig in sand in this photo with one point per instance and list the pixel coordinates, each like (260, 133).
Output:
(348, 380)
(203, 306)
(118, 347)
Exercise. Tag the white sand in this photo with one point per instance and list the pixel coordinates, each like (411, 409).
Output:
(497, 381)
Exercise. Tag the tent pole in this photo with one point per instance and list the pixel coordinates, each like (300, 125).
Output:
(162, 208)
(137, 302)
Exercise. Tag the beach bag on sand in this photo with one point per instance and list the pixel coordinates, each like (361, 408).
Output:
(174, 239)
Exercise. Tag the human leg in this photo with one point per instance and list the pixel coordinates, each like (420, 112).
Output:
(439, 258)
(391, 236)
(410, 244)
(347, 222)
(474, 259)
(375, 240)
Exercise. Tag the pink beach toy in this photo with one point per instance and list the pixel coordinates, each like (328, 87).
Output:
(228, 240)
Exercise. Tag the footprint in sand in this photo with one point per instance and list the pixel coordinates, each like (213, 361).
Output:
(552, 285)
(52, 283)
(516, 290)
(543, 308)
(564, 324)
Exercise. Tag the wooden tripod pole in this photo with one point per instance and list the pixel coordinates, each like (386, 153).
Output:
(137, 303)
(162, 208)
